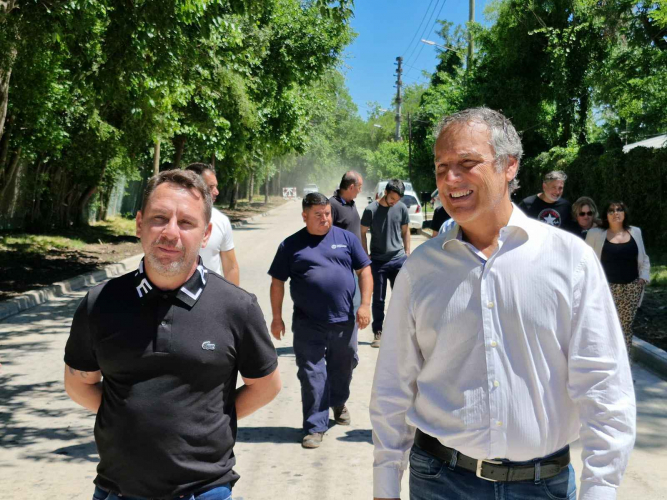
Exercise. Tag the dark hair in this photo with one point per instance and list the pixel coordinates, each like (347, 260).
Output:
(183, 178)
(350, 178)
(626, 219)
(397, 186)
(199, 168)
(312, 199)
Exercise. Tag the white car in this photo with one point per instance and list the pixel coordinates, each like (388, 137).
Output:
(310, 188)
(411, 200)
(380, 187)
(435, 200)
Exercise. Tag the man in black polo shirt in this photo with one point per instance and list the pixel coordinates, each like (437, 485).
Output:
(319, 261)
(344, 212)
(156, 354)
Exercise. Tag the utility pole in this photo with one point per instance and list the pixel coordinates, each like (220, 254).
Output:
(471, 19)
(409, 148)
(399, 99)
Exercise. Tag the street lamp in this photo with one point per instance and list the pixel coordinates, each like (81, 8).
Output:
(429, 42)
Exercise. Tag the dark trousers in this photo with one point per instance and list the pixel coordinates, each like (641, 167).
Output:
(325, 358)
(383, 272)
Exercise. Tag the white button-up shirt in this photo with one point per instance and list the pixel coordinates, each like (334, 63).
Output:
(513, 357)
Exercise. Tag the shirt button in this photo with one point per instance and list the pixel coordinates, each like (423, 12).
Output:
(496, 383)
(489, 305)
(163, 323)
(494, 343)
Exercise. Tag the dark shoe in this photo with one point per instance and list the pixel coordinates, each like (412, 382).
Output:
(341, 415)
(376, 339)
(313, 440)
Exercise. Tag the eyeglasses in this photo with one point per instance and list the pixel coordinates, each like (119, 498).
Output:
(618, 210)
(585, 214)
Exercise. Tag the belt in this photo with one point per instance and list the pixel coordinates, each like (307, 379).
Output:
(495, 470)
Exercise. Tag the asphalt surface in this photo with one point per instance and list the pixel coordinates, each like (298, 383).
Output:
(46, 441)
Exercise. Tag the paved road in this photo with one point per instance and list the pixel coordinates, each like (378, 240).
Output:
(46, 441)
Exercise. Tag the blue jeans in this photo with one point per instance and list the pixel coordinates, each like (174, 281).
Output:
(433, 479)
(223, 492)
(325, 357)
(383, 272)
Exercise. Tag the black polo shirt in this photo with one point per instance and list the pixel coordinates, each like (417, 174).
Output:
(167, 423)
(344, 214)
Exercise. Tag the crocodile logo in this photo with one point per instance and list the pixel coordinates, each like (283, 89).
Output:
(208, 346)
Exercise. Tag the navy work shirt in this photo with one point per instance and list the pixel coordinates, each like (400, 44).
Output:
(320, 270)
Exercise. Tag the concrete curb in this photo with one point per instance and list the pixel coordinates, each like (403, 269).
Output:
(34, 298)
(37, 297)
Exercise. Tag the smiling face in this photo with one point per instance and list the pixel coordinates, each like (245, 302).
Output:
(553, 190)
(469, 185)
(172, 229)
(317, 219)
(585, 221)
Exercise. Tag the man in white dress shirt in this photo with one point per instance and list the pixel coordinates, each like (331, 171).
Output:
(219, 255)
(501, 346)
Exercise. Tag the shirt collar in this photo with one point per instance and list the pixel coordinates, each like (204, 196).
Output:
(518, 221)
(188, 293)
(341, 199)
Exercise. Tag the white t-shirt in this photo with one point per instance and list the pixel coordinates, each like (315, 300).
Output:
(220, 241)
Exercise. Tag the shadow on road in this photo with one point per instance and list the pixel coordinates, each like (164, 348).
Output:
(269, 435)
(357, 436)
(285, 351)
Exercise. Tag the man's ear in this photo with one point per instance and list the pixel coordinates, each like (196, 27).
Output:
(207, 234)
(138, 224)
(303, 215)
(512, 168)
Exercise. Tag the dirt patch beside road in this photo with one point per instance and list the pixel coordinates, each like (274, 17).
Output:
(651, 321)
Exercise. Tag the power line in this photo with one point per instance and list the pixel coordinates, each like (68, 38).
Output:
(418, 28)
(425, 28)
(434, 23)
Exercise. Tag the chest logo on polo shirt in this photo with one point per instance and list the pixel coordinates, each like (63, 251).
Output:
(550, 216)
(333, 247)
(208, 346)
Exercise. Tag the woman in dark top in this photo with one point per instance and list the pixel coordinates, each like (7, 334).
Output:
(620, 248)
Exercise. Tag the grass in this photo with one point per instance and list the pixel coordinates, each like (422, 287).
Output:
(658, 269)
(33, 243)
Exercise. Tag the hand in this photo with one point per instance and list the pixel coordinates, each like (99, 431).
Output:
(643, 281)
(278, 328)
(363, 316)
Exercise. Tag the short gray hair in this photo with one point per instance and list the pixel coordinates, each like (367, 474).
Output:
(505, 140)
(555, 175)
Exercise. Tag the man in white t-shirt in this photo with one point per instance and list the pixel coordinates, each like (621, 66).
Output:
(218, 255)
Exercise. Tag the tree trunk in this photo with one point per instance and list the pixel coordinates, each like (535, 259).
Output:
(277, 191)
(252, 186)
(87, 195)
(5, 75)
(13, 168)
(213, 161)
(4, 145)
(179, 145)
(234, 196)
(266, 189)
(156, 158)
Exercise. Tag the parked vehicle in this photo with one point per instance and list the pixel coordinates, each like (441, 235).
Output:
(435, 200)
(380, 187)
(310, 188)
(411, 200)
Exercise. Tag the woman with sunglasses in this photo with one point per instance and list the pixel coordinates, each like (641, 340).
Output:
(620, 248)
(585, 213)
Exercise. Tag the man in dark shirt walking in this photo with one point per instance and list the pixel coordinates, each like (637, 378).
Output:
(156, 354)
(549, 206)
(388, 221)
(344, 212)
(319, 261)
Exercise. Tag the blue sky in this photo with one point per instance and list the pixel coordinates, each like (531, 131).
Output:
(384, 30)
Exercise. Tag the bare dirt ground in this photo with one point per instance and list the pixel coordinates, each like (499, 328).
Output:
(651, 321)
(24, 266)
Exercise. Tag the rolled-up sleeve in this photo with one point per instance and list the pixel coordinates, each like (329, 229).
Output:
(394, 391)
(600, 383)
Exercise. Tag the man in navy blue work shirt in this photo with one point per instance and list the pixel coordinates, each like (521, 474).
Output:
(320, 261)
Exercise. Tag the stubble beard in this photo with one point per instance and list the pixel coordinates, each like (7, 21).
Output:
(169, 269)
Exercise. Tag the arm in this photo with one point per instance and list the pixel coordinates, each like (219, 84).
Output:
(600, 382)
(256, 392)
(277, 295)
(364, 243)
(230, 267)
(405, 234)
(84, 388)
(394, 390)
(643, 260)
(366, 289)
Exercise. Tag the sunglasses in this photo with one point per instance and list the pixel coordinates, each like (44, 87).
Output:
(585, 214)
(618, 210)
